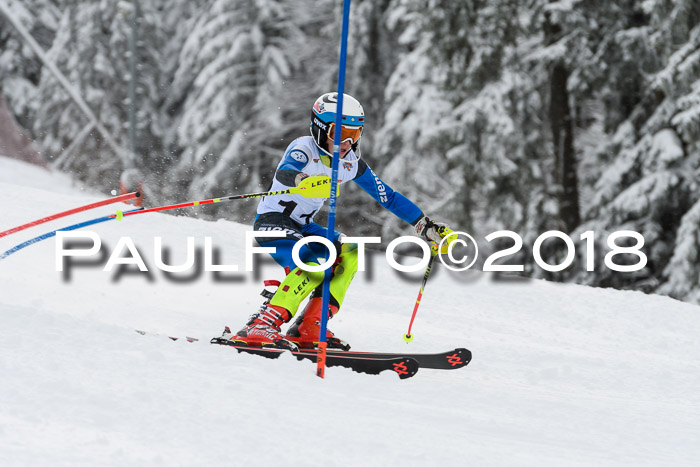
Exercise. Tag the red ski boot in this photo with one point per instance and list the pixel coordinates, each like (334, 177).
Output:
(305, 330)
(263, 329)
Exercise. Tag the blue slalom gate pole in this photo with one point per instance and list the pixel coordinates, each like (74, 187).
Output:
(321, 358)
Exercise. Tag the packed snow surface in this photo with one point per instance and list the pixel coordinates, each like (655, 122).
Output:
(562, 374)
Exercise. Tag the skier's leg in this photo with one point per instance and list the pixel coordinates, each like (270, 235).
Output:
(305, 330)
(296, 287)
(344, 268)
(264, 327)
(343, 273)
(298, 283)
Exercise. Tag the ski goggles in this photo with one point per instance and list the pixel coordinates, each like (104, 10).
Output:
(346, 133)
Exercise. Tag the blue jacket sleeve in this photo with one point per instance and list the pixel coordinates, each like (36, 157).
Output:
(392, 200)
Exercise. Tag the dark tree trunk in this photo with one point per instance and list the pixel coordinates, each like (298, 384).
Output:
(561, 123)
(563, 139)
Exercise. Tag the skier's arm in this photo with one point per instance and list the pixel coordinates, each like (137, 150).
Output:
(289, 172)
(392, 200)
(398, 204)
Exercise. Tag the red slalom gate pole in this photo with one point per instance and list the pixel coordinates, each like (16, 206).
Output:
(116, 199)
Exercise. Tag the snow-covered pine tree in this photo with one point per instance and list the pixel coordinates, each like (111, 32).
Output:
(91, 49)
(484, 138)
(586, 67)
(371, 59)
(236, 109)
(172, 21)
(494, 131)
(401, 148)
(20, 67)
(649, 185)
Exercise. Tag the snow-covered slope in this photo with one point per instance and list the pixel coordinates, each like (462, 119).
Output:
(562, 374)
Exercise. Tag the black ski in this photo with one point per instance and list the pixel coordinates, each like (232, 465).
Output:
(404, 367)
(449, 360)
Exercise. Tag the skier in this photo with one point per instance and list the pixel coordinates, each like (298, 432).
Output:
(308, 160)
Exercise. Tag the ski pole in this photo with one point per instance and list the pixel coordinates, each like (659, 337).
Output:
(408, 337)
(87, 207)
(121, 214)
(311, 187)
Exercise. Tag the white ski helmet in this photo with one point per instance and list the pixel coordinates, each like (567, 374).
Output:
(323, 120)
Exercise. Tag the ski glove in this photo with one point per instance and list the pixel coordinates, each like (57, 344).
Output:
(430, 230)
(301, 176)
